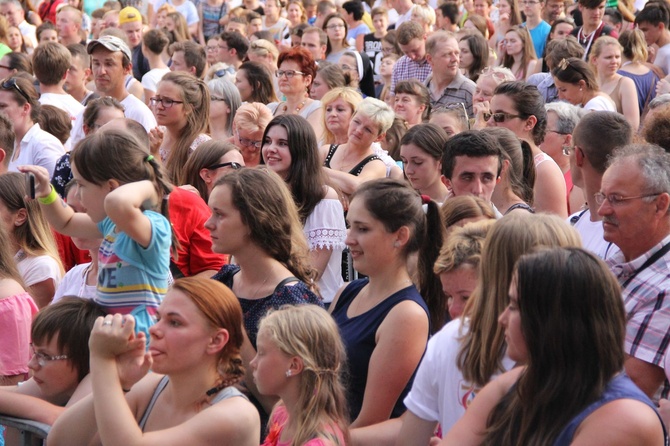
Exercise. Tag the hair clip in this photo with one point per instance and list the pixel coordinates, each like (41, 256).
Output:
(564, 64)
(149, 158)
(425, 199)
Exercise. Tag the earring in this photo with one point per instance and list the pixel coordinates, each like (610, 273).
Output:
(396, 244)
(289, 373)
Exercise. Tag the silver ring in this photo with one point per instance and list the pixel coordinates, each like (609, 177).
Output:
(107, 323)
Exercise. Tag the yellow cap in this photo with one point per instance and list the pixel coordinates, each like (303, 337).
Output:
(129, 14)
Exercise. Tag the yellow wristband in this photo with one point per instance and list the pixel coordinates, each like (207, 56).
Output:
(53, 196)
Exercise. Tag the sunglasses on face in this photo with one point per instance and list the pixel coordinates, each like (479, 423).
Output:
(500, 116)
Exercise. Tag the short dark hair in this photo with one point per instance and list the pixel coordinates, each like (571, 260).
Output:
(7, 138)
(71, 319)
(599, 134)
(528, 102)
(43, 27)
(155, 40)
(614, 15)
(237, 42)
(449, 10)
(79, 50)
(590, 4)
(51, 60)
(55, 121)
(194, 55)
(654, 13)
(473, 144)
(354, 7)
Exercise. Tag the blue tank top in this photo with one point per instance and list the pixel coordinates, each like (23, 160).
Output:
(620, 387)
(358, 334)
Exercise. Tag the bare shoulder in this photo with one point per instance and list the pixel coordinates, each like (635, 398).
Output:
(331, 194)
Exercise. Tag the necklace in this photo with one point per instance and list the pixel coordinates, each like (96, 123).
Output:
(298, 108)
(255, 295)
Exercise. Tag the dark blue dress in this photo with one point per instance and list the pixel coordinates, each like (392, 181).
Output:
(358, 334)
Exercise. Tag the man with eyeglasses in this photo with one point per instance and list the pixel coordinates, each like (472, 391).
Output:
(538, 28)
(233, 49)
(634, 202)
(593, 140)
(552, 10)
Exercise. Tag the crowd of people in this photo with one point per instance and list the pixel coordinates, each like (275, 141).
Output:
(329, 223)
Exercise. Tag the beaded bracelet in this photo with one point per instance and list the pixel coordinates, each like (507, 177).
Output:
(53, 196)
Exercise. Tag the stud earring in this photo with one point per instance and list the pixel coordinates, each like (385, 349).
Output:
(289, 373)
(396, 244)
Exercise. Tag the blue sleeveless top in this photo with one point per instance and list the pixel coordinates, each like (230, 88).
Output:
(620, 387)
(358, 334)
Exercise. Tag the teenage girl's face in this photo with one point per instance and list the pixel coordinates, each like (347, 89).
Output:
(229, 234)
(212, 49)
(338, 115)
(180, 337)
(504, 7)
(243, 85)
(514, 45)
(233, 156)
(275, 151)
(174, 116)
(319, 87)
(371, 245)
(169, 23)
(269, 366)
(561, 31)
(57, 379)
(571, 93)
(510, 320)
(450, 123)
(386, 67)
(458, 286)
(466, 56)
(335, 30)
(91, 196)
(422, 170)
(161, 18)
(105, 115)
(4, 71)
(407, 106)
(609, 60)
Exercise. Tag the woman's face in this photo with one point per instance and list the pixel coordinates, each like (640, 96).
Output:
(295, 85)
(486, 85)
(561, 31)
(349, 65)
(407, 107)
(212, 50)
(450, 123)
(174, 116)
(553, 142)
(250, 143)
(275, 151)
(179, 338)
(572, 93)
(510, 320)
(458, 286)
(514, 45)
(363, 131)
(161, 19)
(319, 87)
(243, 85)
(169, 23)
(501, 103)
(422, 170)
(466, 56)
(229, 234)
(338, 115)
(609, 60)
(335, 30)
(504, 7)
(57, 379)
(294, 14)
(14, 39)
(232, 156)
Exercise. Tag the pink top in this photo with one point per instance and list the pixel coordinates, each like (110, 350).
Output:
(277, 423)
(16, 317)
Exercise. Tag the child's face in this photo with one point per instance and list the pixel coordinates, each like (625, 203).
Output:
(380, 22)
(49, 35)
(270, 366)
(386, 67)
(56, 378)
(91, 196)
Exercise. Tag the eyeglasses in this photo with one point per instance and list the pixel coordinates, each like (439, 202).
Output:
(249, 142)
(288, 73)
(458, 106)
(10, 84)
(334, 26)
(500, 116)
(224, 48)
(495, 73)
(233, 165)
(616, 200)
(212, 48)
(165, 102)
(216, 99)
(42, 359)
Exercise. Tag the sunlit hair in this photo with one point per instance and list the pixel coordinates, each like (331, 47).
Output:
(221, 308)
(71, 319)
(208, 154)
(599, 46)
(464, 207)
(195, 95)
(483, 346)
(305, 177)
(395, 205)
(180, 32)
(310, 333)
(378, 111)
(527, 51)
(463, 247)
(267, 208)
(348, 95)
(260, 79)
(571, 312)
(633, 45)
(263, 48)
(252, 117)
(34, 235)
(223, 88)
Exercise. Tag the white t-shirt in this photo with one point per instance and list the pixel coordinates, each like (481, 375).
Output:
(591, 233)
(38, 148)
(63, 101)
(74, 284)
(440, 393)
(662, 59)
(152, 77)
(38, 269)
(138, 110)
(600, 103)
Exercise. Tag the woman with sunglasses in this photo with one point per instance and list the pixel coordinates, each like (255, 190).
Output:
(211, 161)
(577, 84)
(295, 74)
(225, 100)
(336, 29)
(519, 107)
(421, 153)
(181, 107)
(289, 150)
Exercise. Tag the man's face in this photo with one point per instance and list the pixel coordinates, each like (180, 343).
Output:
(415, 49)
(629, 222)
(446, 58)
(66, 25)
(380, 22)
(237, 27)
(12, 13)
(133, 31)
(593, 16)
(179, 62)
(254, 25)
(553, 9)
(108, 71)
(226, 53)
(482, 8)
(651, 33)
(312, 43)
(77, 75)
(532, 8)
(474, 176)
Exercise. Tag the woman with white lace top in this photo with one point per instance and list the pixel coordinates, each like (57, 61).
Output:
(290, 149)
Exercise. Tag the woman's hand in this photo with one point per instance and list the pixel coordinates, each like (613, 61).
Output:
(662, 87)
(42, 183)
(134, 364)
(113, 336)
(479, 108)
(155, 140)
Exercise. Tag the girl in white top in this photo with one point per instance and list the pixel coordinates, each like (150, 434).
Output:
(577, 84)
